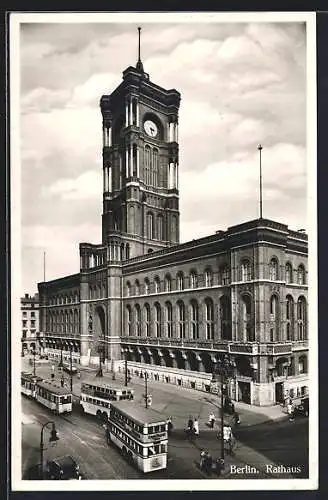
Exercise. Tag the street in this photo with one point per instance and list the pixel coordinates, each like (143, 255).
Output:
(261, 442)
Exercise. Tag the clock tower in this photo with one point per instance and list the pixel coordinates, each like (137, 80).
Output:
(140, 165)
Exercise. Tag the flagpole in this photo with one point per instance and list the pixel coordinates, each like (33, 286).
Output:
(260, 147)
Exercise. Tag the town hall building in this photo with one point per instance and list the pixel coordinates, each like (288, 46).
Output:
(170, 309)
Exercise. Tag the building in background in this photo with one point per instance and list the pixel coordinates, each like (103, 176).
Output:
(174, 309)
(31, 340)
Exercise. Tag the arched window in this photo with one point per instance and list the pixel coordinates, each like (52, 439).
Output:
(147, 320)
(146, 286)
(274, 318)
(155, 168)
(137, 320)
(150, 225)
(289, 318)
(181, 319)
(137, 287)
(157, 284)
(168, 320)
(147, 165)
(301, 275)
(180, 281)
(160, 228)
(208, 277)
(247, 326)
(193, 281)
(127, 251)
(209, 319)
(128, 289)
(167, 283)
(301, 319)
(246, 271)
(194, 319)
(224, 275)
(157, 319)
(273, 269)
(289, 273)
(129, 320)
(225, 318)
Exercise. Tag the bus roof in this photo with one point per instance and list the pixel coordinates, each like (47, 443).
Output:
(107, 384)
(51, 386)
(30, 376)
(138, 413)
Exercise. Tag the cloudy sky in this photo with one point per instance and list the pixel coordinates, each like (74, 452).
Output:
(241, 84)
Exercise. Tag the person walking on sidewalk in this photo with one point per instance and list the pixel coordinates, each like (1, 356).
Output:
(196, 427)
(227, 437)
(202, 459)
(211, 420)
(190, 428)
(208, 464)
(169, 425)
(290, 411)
(236, 418)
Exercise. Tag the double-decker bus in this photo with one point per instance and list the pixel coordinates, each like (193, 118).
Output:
(97, 396)
(28, 383)
(53, 396)
(140, 433)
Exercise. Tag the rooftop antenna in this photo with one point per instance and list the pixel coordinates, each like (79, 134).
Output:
(260, 147)
(139, 63)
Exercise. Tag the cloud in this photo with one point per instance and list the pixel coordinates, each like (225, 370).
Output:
(241, 84)
(87, 185)
(61, 245)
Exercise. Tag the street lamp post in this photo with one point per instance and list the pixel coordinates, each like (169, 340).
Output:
(146, 389)
(34, 361)
(125, 367)
(71, 364)
(60, 364)
(100, 372)
(53, 437)
(224, 369)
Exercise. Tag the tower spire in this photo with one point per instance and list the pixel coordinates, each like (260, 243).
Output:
(139, 65)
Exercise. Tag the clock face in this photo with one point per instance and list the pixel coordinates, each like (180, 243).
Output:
(150, 128)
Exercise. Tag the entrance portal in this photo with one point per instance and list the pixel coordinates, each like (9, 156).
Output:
(244, 392)
(279, 392)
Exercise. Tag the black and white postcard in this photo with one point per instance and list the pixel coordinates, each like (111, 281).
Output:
(163, 251)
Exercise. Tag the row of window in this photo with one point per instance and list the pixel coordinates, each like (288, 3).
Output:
(24, 323)
(32, 314)
(193, 280)
(97, 402)
(53, 398)
(64, 299)
(151, 322)
(63, 321)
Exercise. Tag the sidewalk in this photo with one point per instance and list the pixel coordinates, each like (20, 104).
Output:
(275, 412)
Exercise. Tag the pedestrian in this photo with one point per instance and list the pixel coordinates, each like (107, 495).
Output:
(227, 436)
(290, 411)
(236, 418)
(211, 420)
(196, 427)
(190, 428)
(62, 381)
(169, 425)
(208, 464)
(202, 459)
(53, 368)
